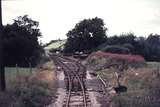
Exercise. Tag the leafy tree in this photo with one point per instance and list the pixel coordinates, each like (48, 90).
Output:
(128, 38)
(21, 44)
(123, 43)
(116, 49)
(141, 47)
(154, 47)
(86, 35)
(148, 47)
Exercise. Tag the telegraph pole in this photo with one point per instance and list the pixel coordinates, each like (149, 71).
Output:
(2, 72)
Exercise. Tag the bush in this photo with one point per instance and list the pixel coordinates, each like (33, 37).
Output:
(36, 90)
(143, 89)
(99, 59)
(116, 49)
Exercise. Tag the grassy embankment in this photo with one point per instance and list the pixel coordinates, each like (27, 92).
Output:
(29, 89)
(143, 87)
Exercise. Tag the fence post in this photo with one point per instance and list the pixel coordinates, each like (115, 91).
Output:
(17, 70)
(158, 71)
(30, 67)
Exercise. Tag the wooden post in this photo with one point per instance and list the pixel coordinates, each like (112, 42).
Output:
(17, 70)
(2, 70)
(30, 67)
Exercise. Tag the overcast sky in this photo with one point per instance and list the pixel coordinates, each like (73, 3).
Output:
(57, 17)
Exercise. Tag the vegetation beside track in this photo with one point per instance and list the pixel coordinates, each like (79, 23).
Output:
(29, 89)
(142, 82)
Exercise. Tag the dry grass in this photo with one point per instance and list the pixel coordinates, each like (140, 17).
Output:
(142, 82)
(143, 87)
(34, 90)
(100, 60)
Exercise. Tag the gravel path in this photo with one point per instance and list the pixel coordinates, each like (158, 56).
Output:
(61, 92)
(96, 91)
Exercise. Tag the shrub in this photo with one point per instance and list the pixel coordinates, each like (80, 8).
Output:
(36, 90)
(95, 59)
(116, 49)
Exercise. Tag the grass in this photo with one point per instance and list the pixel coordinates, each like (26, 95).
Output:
(140, 83)
(26, 89)
(55, 45)
(143, 87)
(153, 64)
(11, 73)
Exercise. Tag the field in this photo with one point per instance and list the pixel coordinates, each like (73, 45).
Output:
(29, 89)
(55, 45)
(142, 83)
(154, 64)
(11, 73)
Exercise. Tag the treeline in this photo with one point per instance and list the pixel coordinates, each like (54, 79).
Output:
(20, 42)
(90, 35)
(148, 47)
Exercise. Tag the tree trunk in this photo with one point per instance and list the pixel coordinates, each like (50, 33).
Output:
(2, 72)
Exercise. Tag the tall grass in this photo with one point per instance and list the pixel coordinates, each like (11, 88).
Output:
(26, 89)
(143, 88)
(13, 73)
(142, 82)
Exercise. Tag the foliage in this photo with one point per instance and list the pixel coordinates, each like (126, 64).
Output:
(153, 42)
(116, 49)
(148, 47)
(99, 60)
(87, 35)
(34, 89)
(129, 58)
(122, 39)
(143, 89)
(20, 41)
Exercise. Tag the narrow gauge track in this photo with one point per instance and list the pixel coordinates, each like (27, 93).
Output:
(72, 69)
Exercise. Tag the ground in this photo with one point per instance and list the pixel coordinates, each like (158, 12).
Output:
(143, 87)
(42, 86)
(29, 89)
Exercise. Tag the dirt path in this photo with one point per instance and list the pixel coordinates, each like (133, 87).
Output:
(92, 94)
(61, 92)
(96, 91)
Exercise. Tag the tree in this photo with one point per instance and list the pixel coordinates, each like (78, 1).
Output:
(2, 72)
(123, 43)
(128, 38)
(116, 49)
(154, 47)
(86, 35)
(21, 44)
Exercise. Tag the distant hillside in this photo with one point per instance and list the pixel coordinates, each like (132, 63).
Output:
(54, 44)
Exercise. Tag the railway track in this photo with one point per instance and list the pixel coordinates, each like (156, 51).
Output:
(76, 95)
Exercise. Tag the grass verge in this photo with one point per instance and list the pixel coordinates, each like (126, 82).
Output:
(142, 82)
(36, 89)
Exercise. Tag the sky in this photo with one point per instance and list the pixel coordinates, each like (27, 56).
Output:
(57, 17)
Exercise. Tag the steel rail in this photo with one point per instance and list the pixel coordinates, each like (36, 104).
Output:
(69, 80)
(78, 78)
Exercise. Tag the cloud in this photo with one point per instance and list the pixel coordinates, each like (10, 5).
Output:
(57, 17)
